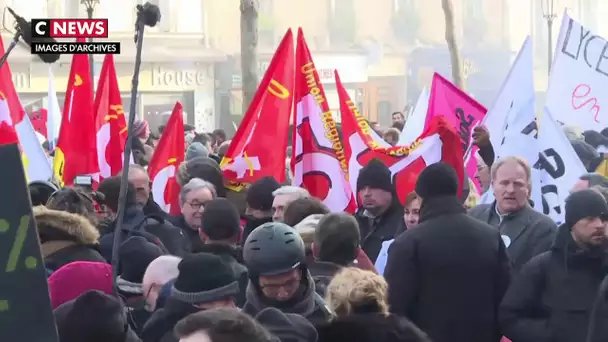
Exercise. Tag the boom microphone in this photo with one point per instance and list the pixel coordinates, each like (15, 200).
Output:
(25, 27)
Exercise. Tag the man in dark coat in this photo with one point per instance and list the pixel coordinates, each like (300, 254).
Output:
(259, 204)
(449, 273)
(555, 296)
(526, 232)
(380, 214)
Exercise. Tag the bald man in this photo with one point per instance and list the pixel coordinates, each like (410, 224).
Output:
(160, 271)
(138, 176)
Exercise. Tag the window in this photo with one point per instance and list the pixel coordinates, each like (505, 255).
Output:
(400, 6)
(266, 23)
(473, 10)
(118, 21)
(343, 22)
(187, 16)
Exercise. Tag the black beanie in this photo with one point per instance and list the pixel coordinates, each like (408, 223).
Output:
(136, 253)
(585, 203)
(376, 176)
(259, 194)
(93, 316)
(436, 180)
(221, 220)
(287, 327)
(204, 278)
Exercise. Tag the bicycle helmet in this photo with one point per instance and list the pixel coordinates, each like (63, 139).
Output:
(273, 248)
(41, 191)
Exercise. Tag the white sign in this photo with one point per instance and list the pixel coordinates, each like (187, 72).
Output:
(576, 94)
(352, 68)
(414, 126)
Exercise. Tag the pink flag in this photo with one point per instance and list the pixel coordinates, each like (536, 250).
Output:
(460, 110)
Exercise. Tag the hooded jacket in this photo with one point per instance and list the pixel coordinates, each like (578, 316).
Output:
(65, 238)
(307, 302)
(552, 298)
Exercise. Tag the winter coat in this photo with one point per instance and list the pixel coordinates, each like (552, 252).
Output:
(322, 273)
(159, 327)
(310, 305)
(448, 275)
(252, 223)
(530, 233)
(233, 257)
(377, 230)
(371, 327)
(192, 238)
(552, 297)
(65, 238)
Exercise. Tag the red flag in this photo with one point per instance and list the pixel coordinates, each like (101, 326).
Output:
(462, 111)
(168, 155)
(318, 164)
(11, 111)
(39, 121)
(76, 152)
(438, 142)
(259, 146)
(111, 125)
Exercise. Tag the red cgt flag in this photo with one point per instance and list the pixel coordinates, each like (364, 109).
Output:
(111, 125)
(169, 154)
(319, 163)
(259, 146)
(439, 142)
(76, 152)
(11, 111)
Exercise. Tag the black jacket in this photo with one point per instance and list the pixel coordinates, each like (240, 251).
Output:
(159, 327)
(448, 274)
(383, 228)
(233, 257)
(251, 223)
(66, 238)
(193, 240)
(552, 297)
(322, 273)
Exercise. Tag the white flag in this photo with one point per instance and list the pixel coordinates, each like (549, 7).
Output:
(579, 77)
(35, 161)
(415, 122)
(53, 113)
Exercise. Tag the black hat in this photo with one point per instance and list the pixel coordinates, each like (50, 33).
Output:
(204, 278)
(259, 194)
(437, 179)
(287, 327)
(93, 316)
(376, 176)
(273, 248)
(221, 220)
(585, 203)
(136, 253)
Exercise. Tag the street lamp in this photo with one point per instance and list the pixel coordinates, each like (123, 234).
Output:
(90, 6)
(548, 9)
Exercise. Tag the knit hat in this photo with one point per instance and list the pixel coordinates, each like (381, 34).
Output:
(204, 278)
(94, 316)
(196, 149)
(76, 278)
(585, 152)
(376, 176)
(136, 253)
(585, 203)
(140, 127)
(221, 220)
(204, 168)
(287, 327)
(259, 194)
(437, 179)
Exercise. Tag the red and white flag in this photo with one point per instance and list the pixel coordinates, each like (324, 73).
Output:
(438, 143)
(318, 163)
(259, 146)
(111, 124)
(169, 153)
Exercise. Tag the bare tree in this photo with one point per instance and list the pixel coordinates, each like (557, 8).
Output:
(450, 39)
(249, 50)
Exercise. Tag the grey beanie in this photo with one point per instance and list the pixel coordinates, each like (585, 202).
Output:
(196, 149)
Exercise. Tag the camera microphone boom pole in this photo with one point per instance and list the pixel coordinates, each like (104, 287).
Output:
(14, 43)
(147, 15)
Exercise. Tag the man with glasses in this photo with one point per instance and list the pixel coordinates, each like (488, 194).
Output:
(192, 199)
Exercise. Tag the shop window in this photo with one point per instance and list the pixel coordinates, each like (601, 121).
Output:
(384, 110)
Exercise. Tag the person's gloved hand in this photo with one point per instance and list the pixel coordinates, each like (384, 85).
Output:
(481, 136)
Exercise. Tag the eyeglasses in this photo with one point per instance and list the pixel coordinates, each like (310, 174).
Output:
(196, 205)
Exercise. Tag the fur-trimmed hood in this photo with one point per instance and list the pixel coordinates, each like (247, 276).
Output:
(55, 225)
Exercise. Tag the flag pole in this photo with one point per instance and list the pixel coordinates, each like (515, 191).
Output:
(147, 15)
